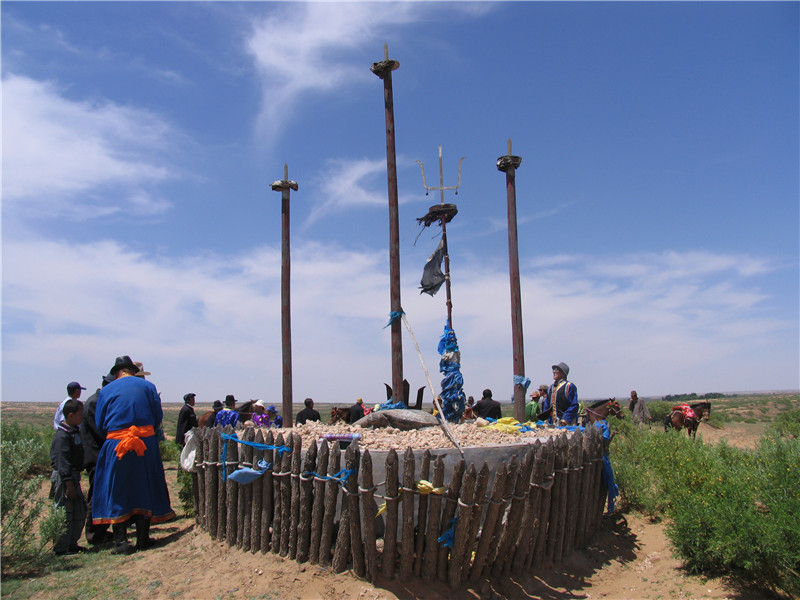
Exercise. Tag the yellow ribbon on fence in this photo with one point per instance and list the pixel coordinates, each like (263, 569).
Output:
(423, 487)
(426, 487)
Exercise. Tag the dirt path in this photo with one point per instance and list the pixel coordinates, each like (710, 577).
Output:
(629, 559)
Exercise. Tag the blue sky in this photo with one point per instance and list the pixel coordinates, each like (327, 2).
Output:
(657, 198)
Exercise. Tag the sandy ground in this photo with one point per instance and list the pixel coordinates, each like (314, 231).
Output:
(630, 558)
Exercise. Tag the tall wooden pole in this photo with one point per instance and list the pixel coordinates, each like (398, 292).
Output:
(384, 70)
(509, 164)
(284, 186)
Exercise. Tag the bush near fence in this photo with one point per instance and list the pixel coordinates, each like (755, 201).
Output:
(727, 509)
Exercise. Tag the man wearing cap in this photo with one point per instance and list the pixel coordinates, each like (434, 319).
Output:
(564, 395)
(187, 420)
(356, 411)
(207, 418)
(73, 393)
(228, 415)
(130, 486)
(534, 407)
(640, 414)
(92, 440)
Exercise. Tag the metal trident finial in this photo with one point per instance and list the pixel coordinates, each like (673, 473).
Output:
(441, 187)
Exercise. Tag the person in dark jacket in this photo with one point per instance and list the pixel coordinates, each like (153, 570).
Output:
(187, 420)
(207, 419)
(92, 440)
(308, 413)
(66, 458)
(356, 411)
(564, 395)
(487, 407)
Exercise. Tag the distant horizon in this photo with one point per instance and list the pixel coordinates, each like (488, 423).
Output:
(509, 401)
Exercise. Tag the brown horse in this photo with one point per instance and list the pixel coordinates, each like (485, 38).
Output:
(343, 414)
(677, 420)
(599, 410)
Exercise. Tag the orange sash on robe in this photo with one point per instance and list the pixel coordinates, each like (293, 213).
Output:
(130, 439)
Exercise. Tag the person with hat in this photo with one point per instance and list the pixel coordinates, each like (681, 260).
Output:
(92, 440)
(266, 416)
(308, 413)
(640, 414)
(260, 418)
(73, 391)
(207, 418)
(130, 486)
(187, 420)
(533, 408)
(356, 411)
(228, 415)
(562, 397)
(275, 420)
(488, 406)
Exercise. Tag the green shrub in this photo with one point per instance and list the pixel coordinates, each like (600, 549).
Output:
(170, 451)
(729, 510)
(40, 439)
(186, 492)
(659, 411)
(787, 424)
(20, 510)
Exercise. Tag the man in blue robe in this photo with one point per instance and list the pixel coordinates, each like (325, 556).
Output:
(130, 486)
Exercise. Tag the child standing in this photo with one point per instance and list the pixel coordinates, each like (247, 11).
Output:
(66, 457)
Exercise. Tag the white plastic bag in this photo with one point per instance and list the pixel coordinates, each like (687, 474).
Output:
(188, 453)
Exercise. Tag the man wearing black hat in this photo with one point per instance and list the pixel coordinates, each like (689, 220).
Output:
(73, 392)
(130, 486)
(228, 415)
(207, 418)
(186, 418)
(564, 395)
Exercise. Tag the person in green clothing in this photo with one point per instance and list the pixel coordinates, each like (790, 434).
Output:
(534, 407)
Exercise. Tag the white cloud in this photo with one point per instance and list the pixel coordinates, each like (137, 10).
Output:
(211, 324)
(345, 184)
(59, 155)
(304, 48)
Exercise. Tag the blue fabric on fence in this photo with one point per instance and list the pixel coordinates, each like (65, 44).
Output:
(448, 538)
(223, 458)
(342, 476)
(248, 475)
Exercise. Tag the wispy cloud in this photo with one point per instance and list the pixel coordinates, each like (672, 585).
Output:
(309, 48)
(213, 322)
(55, 150)
(344, 184)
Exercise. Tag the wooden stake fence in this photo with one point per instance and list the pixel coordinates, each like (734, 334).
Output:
(531, 515)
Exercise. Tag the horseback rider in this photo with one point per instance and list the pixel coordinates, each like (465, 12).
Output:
(564, 395)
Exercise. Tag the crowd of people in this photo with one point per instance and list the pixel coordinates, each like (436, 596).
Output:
(114, 436)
